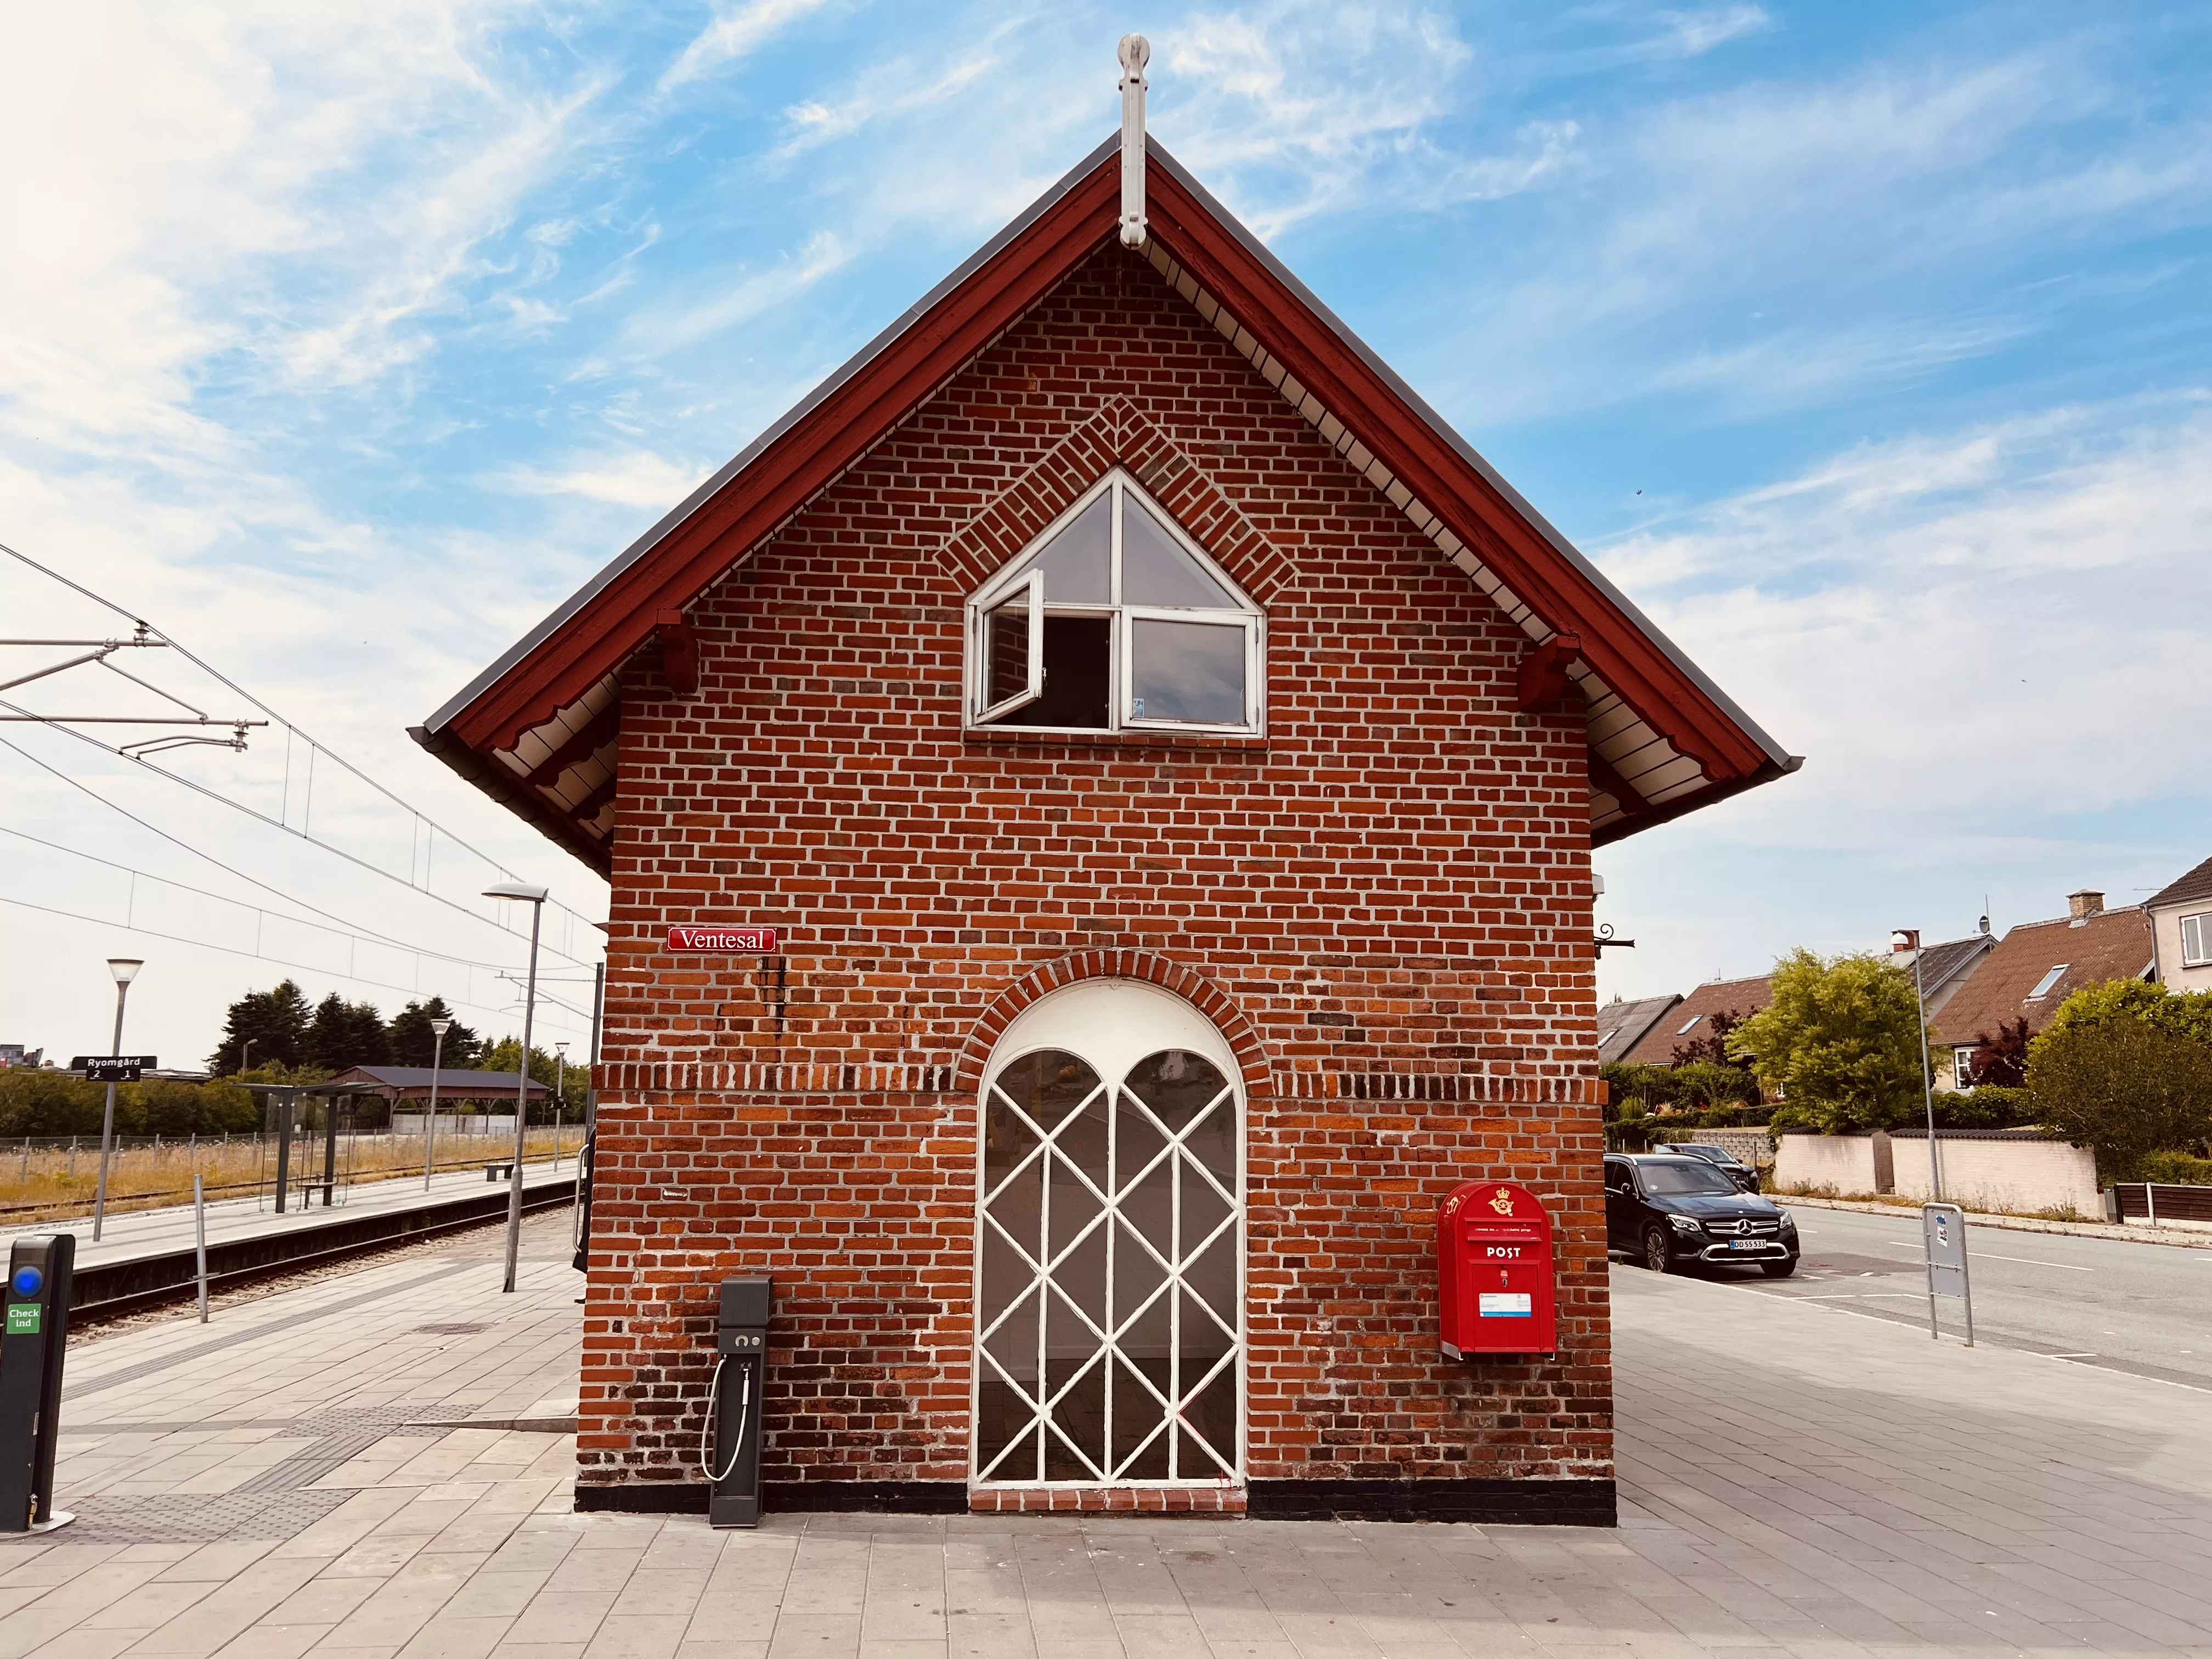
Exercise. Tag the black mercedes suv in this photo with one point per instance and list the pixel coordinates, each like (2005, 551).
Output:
(1669, 1212)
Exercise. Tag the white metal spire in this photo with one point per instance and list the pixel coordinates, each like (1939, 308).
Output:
(1134, 53)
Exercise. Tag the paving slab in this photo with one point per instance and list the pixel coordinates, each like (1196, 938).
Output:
(1795, 1480)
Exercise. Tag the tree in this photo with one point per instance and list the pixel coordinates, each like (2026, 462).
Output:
(2182, 1013)
(346, 1034)
(275, 1021)
(2000, 1061)
(574, 1078)
(2124, 1088)
(412, 1042)
(1716, 1050)
(1841, 1041)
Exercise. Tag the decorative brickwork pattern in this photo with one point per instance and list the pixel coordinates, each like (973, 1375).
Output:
(1383, 903)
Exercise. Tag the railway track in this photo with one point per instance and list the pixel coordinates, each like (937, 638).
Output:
(110, 1290)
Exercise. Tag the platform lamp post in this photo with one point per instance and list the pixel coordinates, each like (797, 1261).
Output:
(1908, 938)
(535, 897)
(438, 1030)
(125, 969)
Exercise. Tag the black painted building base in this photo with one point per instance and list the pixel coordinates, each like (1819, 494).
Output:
(1499, 1503)
(785, 1498)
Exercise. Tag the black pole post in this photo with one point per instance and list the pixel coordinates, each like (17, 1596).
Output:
(330, 1149)
(284, 1145)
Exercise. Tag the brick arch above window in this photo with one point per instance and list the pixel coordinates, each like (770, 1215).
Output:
(1117, 434)
(1147, 967)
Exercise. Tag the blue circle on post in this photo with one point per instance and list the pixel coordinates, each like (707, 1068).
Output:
(27, 1281)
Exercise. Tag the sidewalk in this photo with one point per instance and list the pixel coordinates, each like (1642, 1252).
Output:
(1795, 1480)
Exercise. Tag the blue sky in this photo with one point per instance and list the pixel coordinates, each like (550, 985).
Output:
(1864, 346)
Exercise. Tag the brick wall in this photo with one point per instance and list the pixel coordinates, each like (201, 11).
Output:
(1385, 903)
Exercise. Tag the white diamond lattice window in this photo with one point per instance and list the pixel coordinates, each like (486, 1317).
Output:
(1112, 618)
(1109, 1347)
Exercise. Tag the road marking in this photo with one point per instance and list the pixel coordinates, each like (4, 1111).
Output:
(2028, 1261)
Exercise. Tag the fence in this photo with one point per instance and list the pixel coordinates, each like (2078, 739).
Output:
(51, 1177)
(2139, 1200)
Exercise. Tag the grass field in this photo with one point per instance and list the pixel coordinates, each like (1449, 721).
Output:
(52, 1183)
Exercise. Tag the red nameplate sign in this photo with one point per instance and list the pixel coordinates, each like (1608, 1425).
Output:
(725, 941)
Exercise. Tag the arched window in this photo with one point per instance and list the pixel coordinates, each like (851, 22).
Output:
(1109, 1262)
(1115, 618)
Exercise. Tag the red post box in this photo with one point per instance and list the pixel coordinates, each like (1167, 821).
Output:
(1494, 1272)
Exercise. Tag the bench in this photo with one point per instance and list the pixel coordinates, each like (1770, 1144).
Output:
(495, 1173)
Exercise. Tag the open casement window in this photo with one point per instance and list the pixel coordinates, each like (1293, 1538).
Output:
(1112, 619)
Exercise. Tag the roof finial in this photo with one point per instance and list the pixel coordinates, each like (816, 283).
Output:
(1134, 53)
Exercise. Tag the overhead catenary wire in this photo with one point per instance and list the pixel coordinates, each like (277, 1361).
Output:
(314, 747)
(501, 1011)
(419, 952)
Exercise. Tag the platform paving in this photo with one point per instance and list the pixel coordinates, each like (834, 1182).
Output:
(129, 1234)
(1795, 1480)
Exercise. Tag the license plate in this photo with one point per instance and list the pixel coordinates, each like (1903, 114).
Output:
(1746, 1244)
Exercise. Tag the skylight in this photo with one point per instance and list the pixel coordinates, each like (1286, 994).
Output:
(1685, 1031)
(2043, 986)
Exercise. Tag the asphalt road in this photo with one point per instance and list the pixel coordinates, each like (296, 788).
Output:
(2144, 1309)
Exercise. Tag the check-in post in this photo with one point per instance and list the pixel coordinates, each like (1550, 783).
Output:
(1943, 1231)
(39, 1269)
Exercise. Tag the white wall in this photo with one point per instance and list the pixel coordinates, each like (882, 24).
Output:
(1837, 1164)
(2023, 1176)
(2165, 931)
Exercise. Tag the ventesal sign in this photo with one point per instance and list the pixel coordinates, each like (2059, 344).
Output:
(724, 941)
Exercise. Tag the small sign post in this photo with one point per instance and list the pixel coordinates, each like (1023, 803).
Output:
(743, 941)
(114, 1068)
(1943, 1231)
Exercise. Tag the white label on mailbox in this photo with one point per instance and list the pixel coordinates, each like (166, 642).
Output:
(1512, 1304)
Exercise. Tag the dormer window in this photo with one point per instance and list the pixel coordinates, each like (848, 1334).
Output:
(1114, 619)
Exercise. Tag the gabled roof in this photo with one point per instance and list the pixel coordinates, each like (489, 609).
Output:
(2188, 890)
(537, 728)
(1692, 1019)
(2110, 944)
(1621, 1026)
(1940, 964)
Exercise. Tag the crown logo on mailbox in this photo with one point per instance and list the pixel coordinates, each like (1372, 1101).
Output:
(1502, 1201)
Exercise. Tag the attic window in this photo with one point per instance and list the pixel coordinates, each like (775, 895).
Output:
(1606, 1038)
(1693, 1019)
(1114, 619)
(2043, 986)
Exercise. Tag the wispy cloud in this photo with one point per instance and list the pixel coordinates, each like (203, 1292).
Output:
(737, 32)
(739, 299)
(633, 477)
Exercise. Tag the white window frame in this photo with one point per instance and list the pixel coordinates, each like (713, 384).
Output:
(1111, 1025)
(1962, 1063)
(1120, 694)
(2048, 983)
(2198, 954)
(1033, 686)
(1692, 1026)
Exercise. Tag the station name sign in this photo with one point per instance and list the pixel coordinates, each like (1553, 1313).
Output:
(724, 941)
(113, 1068)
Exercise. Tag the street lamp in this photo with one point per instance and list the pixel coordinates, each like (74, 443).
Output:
(535, 897)
(1908, 938)
(245, 1053)
(125, 969)
(560, 1096)
(438, 1030)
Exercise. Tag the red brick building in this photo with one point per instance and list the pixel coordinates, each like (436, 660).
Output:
(1171, 758)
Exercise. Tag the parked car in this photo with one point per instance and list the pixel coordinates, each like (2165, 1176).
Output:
(1741, 1173)
(1669, 1212)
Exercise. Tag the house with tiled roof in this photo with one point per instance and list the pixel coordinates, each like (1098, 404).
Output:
(1621, 1026)
(2036, 967)
(2181, 931)
(1943, 969)
(1692, 1019)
